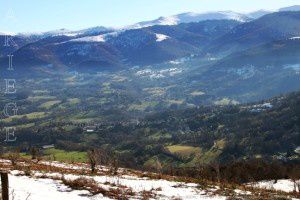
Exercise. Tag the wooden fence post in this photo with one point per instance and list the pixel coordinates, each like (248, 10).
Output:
(4, 184)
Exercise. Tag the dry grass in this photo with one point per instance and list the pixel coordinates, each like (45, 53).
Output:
(94, 188)
(121, 192)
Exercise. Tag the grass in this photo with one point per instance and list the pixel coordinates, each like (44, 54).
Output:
(226, 101)
(82, 120)
(118, 78)
(74, 101)
(34, 115)
(40, 91)
(106, 88)
(38, 98)
(184, 151)
(25, 126)
(65, 156)
(103, 100)
(155, 91)
(69, 128)
(142, 106)
(49, 104)
(197, 93)
(160, 135)
(213, 153)
(172, 101)
(60, 155)
(25, 155)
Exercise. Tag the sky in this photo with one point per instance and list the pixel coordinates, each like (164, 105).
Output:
(43, 15)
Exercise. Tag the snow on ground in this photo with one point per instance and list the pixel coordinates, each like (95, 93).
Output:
(38, 187)
(295, 38)
(171, 20)
(284, 185)
(63, 165)
(237, 191)
(295, 67)
(49, 185)
(155, 74)
(261, 107)
(244, 72)
(23, 187)
(97, 38)
(161, 37)
(164, 188)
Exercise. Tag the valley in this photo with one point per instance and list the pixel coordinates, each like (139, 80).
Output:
(190, 106)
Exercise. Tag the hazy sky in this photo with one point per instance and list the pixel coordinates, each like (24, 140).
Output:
(44, 15)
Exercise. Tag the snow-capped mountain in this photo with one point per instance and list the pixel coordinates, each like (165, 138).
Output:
(258, 14)
(143, 43)
(187, 17)
(142, 46)
(291, 8)
(57, 32)
(95, 30)
(271, 27)
(192, 17)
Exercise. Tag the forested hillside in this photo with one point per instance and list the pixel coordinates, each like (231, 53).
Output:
(187, 137)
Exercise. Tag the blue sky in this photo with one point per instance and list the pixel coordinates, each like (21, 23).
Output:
(44, 15)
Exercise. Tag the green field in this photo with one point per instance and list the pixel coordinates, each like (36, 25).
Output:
(49, 104)
(184, 151)
(142, 106)
(34, 115)
(65, 156)
(38, 98)
(73, 101)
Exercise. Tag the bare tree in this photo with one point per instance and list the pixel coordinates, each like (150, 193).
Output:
(93, 158)
(13, 157)
(114, 165)
(158, 166)
(216, 167)
(34, 152)
(294, 176)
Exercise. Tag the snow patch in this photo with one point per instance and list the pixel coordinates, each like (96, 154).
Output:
(284, 185)
(261, 107)
(295, 38)
(22, 187)
(156, 74)
(97, 38)
(244, 72)
(38, 187)
(161, 37)
(295, 67)
(171, 20)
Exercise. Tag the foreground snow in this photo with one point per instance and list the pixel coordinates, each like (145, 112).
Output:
(26, 188)
(36, 187)
(50, 185)
(284, 185)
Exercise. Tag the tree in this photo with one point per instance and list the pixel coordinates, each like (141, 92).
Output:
(114, 165)
(158, 166)
(13, 157)
(92, 156)
(34, 152)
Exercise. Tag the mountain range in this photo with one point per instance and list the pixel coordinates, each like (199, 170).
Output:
(256, 58)
(144, 43)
